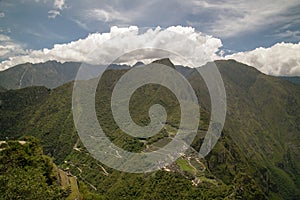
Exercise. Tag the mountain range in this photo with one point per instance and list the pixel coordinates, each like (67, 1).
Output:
(257, 156)
(52, 74)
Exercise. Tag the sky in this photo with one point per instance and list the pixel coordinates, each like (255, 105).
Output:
(264, 34)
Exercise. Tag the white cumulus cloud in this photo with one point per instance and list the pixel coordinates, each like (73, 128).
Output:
(102, 48)
(280, 59)
(9, 47)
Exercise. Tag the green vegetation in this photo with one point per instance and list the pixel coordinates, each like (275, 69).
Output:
(257, 156)
(185, 166)
(25, 173)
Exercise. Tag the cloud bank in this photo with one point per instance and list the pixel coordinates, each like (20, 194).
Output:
(281, 59)
(102, 48)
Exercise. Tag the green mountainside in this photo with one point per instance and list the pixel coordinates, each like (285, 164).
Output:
(257, 156)
(263, 118)
(25, 173)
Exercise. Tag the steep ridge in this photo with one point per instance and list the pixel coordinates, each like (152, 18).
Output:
(50, 74)
(258, 150)
(263, 120)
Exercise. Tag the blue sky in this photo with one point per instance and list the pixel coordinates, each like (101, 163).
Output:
(27, 25)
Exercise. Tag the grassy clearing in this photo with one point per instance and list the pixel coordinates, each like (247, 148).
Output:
(207, 180)
(185, 166)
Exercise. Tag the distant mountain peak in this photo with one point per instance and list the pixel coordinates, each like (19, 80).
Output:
(165, 61)
(138, 64)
